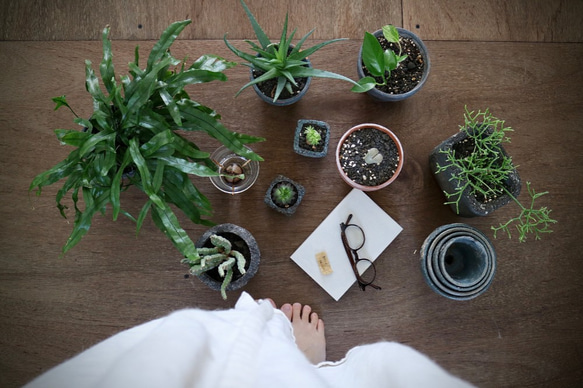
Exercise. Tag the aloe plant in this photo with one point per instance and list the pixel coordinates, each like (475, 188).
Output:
(279, 60)
(133, 138)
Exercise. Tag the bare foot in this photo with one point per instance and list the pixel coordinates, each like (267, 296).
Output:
(308, 330)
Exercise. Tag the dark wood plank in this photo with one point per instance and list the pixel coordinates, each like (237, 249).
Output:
(84, 20)
(497, 20)
(525, 331)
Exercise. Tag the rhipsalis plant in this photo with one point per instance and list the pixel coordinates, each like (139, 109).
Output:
(313, 137)
(380, 63)
(483, 169)
(133, 138)
(530, 220)
(220, 256)
(279, 60)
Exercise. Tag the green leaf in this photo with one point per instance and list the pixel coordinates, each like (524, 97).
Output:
(187, 167)
(197, 119)
(373, 55)
(146, 176)
(391, 60)
(117, 182)
(309, 51)
(212, 63)
(261, 36)
(364, 85)
(166, 39)
(106, 66)
(166, 221)
(142, 216)
(311, 72)
(391, 33)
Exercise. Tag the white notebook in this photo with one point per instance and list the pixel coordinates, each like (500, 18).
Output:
(380, 230)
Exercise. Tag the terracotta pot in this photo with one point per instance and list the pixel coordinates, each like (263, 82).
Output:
(339, 162)
(385, 97)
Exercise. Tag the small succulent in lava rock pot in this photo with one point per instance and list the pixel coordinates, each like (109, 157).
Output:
(369, 157)
(311, 138)
(284, 195)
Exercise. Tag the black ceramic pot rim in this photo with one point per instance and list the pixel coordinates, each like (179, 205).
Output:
(437, 267)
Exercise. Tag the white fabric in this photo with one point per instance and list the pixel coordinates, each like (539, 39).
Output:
(251, 345)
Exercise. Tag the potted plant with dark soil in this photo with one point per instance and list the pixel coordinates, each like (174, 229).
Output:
(311, 138)
(284, 195)
(133, 139)
(281, 72)
(393, 64)
(226, 258)
(477, 176)
(369, 157)
(236, 172)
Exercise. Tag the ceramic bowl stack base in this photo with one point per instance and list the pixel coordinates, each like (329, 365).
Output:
(458, 261)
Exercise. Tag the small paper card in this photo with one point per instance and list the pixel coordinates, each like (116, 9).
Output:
(380, 230)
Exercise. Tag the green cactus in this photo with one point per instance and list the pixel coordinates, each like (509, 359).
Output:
(313, 137)
(221, 256)
(284, 194)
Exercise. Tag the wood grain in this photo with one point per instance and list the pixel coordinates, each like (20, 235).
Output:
(146, 19)
(526, 330)
(496, 20)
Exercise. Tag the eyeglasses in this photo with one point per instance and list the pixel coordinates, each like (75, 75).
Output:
(353, 239)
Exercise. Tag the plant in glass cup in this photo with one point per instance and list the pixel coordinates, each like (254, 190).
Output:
(281, 61)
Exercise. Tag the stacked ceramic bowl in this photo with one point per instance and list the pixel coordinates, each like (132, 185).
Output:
(458, 261)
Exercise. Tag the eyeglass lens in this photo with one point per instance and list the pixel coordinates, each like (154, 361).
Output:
(354, 236)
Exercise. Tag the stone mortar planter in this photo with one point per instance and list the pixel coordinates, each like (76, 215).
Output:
(243, 241)
(469, 206)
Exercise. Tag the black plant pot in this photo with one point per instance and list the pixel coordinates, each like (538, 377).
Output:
(469, 205)
(304, 149)
(458, 261)
(243, 241)
(290, 209)
(386, 97)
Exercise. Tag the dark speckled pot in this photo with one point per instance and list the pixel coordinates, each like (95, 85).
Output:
(246, 244)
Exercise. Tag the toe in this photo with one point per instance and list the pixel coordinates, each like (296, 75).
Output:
(306, 313)
(297, 312)
(287, 310)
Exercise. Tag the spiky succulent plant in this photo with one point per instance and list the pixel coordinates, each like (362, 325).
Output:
(284, 194)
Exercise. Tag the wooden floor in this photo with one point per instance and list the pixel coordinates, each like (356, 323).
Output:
(521, 59)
